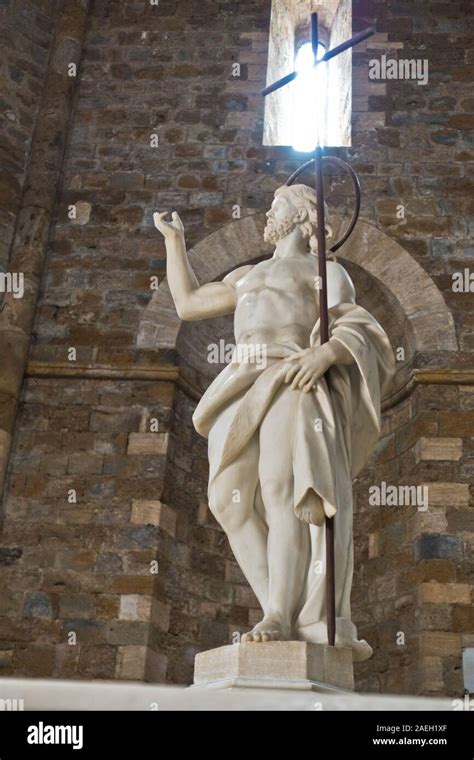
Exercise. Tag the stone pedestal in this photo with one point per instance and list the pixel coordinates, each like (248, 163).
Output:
(276, 665)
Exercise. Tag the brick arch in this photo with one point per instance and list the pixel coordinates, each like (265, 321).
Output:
(370, 249)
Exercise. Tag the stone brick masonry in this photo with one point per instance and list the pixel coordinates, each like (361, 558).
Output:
(25, 38)
(111, 564)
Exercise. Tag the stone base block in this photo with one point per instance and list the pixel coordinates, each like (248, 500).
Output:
(276, 665)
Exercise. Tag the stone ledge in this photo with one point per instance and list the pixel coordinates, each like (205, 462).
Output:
(52, 694)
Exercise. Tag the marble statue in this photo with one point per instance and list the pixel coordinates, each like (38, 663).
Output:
(283, 446)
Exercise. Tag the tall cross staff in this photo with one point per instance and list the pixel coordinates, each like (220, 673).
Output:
(323, 300)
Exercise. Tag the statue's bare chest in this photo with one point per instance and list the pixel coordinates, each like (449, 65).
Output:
(296, 275)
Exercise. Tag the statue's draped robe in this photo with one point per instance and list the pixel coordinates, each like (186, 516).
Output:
(336, 431)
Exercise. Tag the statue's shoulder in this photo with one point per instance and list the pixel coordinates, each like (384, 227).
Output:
(233, 277)
(340, 286)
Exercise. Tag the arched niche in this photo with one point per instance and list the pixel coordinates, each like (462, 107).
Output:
(389, 283)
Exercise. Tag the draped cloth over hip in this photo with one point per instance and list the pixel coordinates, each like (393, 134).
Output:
(337, 427)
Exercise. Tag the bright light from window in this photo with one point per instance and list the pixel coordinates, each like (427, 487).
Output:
(309, 104)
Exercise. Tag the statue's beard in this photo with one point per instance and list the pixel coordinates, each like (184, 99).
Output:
(274, 232)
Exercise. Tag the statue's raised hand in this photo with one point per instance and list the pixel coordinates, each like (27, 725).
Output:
(170, 230)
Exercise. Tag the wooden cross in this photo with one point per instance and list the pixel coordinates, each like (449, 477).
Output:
(323, 300)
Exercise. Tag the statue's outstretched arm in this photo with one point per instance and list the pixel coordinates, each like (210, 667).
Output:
(192, 301)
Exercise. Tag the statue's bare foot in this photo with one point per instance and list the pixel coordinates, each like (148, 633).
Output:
(267, 630)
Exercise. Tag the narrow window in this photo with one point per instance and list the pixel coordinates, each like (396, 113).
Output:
(309, 100)
(290, 112)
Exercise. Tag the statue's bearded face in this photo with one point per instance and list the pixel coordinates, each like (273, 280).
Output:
(281, 220)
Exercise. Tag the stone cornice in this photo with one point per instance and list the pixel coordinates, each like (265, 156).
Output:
(78, 371)
(171, 373)
(440, 376)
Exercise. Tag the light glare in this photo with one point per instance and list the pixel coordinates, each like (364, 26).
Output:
(309, 100)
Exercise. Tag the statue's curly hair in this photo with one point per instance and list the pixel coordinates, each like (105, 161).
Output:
(304, 197)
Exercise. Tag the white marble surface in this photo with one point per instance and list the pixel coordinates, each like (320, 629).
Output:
(39, 694)
(272, 500)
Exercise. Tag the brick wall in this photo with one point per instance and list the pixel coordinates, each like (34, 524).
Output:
(141, 77)
(80, 539)
(414, 574)
(167, 70)
(27, 29)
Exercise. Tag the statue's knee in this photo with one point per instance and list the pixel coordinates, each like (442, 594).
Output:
(276, 492)
(230, 513)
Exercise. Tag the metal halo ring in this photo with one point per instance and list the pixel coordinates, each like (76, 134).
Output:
(355, 181)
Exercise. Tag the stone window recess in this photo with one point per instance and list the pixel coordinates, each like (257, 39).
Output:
(289, 29)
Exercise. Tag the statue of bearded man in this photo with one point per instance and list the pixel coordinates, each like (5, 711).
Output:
(289, 421)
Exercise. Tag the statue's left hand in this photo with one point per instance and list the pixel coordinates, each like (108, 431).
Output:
(308, 366)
